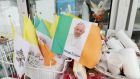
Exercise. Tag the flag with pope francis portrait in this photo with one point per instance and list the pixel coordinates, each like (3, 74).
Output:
(78, 39)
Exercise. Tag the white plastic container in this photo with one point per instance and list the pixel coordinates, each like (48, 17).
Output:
(114, 63)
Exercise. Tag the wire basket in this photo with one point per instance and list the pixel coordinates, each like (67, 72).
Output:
(49, 72)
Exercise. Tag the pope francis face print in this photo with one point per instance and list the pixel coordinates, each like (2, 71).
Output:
(79, 29)
(76, 38)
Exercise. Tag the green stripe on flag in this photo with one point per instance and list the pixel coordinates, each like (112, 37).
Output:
(61, 34)
(36, 21)
(42, 28)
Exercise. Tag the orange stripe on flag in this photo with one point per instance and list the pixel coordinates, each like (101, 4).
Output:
(92, 50)
(47, 54)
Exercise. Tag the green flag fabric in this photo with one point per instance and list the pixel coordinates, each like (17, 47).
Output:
(61, 34)
(42, 28)
(36, 21)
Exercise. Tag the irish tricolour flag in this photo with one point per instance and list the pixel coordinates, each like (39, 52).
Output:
(78, 39)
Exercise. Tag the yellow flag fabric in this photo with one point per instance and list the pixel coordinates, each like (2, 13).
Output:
(54, 26)
(12, 28)
(29, 32)
(29, 35)
(68, 14)
(25, 19)
(48, 25)
(13, 32)
(94, 54)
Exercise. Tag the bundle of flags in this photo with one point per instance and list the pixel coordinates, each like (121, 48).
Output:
(37, 30)
(78, 39)
(34, 46)
(67, 35)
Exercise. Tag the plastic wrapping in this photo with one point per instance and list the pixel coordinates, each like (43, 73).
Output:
(114, 44)
(114, 63)
(130, 63)
(126, 41)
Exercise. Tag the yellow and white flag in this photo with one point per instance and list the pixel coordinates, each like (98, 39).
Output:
(29, 34)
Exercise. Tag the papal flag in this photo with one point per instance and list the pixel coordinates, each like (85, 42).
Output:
(29, 34)
(21, 49)
(78, 39)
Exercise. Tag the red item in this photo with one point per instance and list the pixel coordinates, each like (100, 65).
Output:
(68, 74)
(98, 17)
(71, 64)
(95, 76)
(14, 75)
